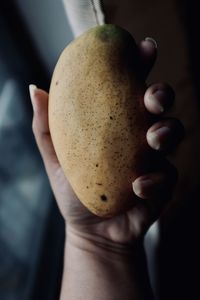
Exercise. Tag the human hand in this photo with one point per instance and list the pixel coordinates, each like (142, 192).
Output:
(153, 190)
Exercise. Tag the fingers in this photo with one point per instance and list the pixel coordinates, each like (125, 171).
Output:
(155, 190)
(158, 98)
(148, 53)
(165, 135)
(152, 185)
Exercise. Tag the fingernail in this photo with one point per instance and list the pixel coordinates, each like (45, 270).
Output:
(156, 136)
(143, 188)
(158, 97)
(149, 39)
(32, 89)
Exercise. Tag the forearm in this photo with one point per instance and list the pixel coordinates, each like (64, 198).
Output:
(95, 271)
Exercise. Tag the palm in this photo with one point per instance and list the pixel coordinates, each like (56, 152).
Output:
(119, 229)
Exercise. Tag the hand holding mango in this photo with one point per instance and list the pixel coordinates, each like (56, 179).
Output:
(98, 121)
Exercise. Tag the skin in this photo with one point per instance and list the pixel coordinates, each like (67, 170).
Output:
(101, 254)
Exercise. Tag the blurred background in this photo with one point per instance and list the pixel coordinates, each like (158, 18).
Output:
(32, 35)
(31, 228)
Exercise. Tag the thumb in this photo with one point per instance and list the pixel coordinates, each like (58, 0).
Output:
(40, 125)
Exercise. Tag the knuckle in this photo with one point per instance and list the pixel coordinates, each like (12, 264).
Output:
(177, 128)
(164, 86)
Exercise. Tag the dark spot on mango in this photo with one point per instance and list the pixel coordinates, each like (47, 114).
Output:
(97, 165)
(103, 198)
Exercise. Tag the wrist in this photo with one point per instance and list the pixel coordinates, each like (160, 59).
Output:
(127, 259)
(104, 270)
(104, 247)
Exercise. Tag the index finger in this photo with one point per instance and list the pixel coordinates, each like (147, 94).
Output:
(148, 54)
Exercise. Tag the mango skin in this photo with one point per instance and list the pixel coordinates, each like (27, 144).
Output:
(97, 118)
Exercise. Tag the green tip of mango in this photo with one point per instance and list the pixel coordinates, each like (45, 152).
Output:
(110, 32)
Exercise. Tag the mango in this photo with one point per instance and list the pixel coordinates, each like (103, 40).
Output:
(97, 118)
